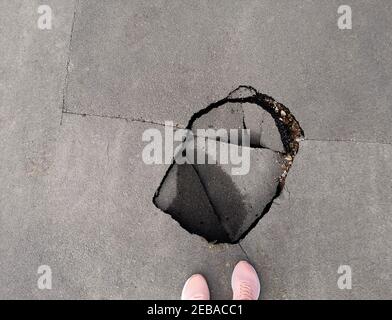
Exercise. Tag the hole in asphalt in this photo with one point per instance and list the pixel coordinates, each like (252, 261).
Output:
(208, 199)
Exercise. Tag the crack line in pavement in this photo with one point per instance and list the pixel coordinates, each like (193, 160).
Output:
(244, 251)
(65, 86)
(141, 120)
(349, 141)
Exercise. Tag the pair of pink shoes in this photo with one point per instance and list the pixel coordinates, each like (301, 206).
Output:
(244, 282)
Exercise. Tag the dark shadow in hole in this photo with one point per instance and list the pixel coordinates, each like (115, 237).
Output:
(183, 197)
(229, 206)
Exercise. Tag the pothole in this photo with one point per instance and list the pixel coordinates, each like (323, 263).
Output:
(208, 199)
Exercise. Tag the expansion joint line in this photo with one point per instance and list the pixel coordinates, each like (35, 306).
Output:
(67, 65)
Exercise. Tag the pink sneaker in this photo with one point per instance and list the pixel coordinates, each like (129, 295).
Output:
(245, 282)
(196, 288)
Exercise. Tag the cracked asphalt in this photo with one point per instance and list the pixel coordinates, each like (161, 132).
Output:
(75, 194)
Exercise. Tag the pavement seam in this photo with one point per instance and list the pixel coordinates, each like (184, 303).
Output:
(244, 251)
(65, 85)
(140, 120)
(179, 126)
(349, 141)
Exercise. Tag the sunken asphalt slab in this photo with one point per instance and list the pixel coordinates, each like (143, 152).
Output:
(78, 197)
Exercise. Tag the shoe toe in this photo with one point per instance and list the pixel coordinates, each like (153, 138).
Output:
(196, 288)
(245, 275)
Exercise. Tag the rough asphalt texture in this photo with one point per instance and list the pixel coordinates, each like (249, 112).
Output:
(75, 100)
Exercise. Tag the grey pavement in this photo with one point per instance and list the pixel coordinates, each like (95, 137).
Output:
(75, 101)
(167, 59)
(336, 210)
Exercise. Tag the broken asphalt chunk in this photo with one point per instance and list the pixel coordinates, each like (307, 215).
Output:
(223, 200)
